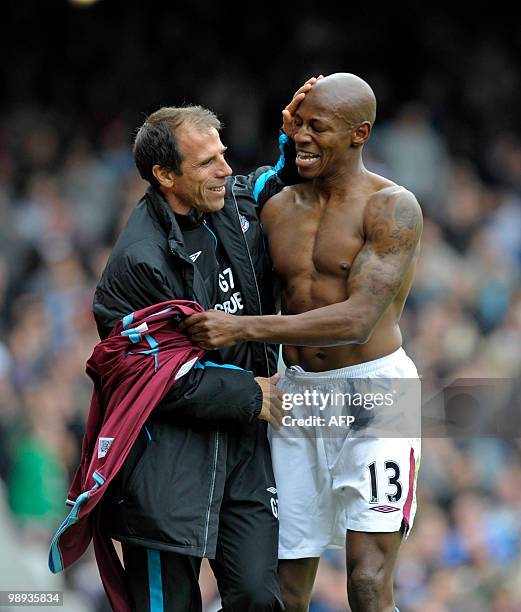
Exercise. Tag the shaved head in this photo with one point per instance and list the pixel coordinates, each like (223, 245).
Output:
(332, 124)
(347, 96)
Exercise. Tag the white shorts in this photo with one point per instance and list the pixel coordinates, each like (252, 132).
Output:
(332, 479)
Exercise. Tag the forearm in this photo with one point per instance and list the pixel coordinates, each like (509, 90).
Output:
(287, 170)
(215, 394)
(328, 326)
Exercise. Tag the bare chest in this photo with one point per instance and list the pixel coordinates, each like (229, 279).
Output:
(309, 241)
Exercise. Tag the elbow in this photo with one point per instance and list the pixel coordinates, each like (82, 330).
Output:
(360, 332)
(361, 338)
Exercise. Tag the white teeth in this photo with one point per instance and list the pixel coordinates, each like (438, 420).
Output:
(217, 189)
(307, 156)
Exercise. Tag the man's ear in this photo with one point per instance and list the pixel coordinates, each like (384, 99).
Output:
(361, 134)
(163, 176)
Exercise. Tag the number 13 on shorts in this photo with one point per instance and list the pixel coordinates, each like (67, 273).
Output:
(389, 482)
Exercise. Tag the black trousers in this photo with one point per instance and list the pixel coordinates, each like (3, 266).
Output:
(245, 567)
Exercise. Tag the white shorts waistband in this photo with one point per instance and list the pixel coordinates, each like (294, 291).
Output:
(360, 370)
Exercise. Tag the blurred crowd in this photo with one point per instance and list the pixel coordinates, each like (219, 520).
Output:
(67, 185)
(463, 320)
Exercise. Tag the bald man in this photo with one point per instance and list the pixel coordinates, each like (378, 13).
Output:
(344, 244)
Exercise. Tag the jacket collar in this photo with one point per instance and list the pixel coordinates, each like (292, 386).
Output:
(228, 228)
(226, 219)
(166, 218)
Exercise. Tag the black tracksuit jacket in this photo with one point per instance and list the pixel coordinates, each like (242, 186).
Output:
(204, 440)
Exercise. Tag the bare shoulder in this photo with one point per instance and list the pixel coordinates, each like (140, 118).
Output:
(280, 203)
(394, 203)
(393, 214)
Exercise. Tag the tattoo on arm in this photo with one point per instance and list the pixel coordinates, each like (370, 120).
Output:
(393, 228)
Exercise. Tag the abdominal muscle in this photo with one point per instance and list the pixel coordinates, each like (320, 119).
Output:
(304, 294)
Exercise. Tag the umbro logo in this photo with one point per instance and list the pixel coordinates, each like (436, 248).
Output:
(385, 509)
(272, 490)
(195, 255)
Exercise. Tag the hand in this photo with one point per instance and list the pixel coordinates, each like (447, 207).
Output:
(213, 329)
(271, 401)
(288, 113)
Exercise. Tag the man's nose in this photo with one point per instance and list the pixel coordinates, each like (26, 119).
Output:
(225, 169)
(301, 136)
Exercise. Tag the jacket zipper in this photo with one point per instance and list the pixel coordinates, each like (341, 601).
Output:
(214, 470)
(176, 254)
(210, 497)
(214, 467)
(252, 269)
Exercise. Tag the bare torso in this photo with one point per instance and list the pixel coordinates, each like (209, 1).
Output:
(313, 242)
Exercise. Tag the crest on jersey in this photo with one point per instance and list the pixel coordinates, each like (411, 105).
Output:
(103, 446)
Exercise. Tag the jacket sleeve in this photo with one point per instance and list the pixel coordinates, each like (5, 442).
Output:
(213, 393)
(210, 393)
(267, 181)
(142, 286)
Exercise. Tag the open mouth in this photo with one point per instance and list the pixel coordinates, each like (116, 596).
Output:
(304, 158)
(218, 190)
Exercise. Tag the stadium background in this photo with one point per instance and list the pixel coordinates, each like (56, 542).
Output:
(77, 81)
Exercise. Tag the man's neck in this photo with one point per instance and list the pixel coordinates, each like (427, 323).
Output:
(190, 219)
(341, 183)
(175, 205)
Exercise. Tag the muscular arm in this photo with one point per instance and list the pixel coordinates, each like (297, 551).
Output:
(393, 226)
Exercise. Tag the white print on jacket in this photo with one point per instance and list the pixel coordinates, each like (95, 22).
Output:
(274, 502)
(226, 285)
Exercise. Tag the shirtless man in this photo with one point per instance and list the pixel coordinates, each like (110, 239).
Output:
(345, 245)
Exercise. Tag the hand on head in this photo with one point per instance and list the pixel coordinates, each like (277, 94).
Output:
(288, 113)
